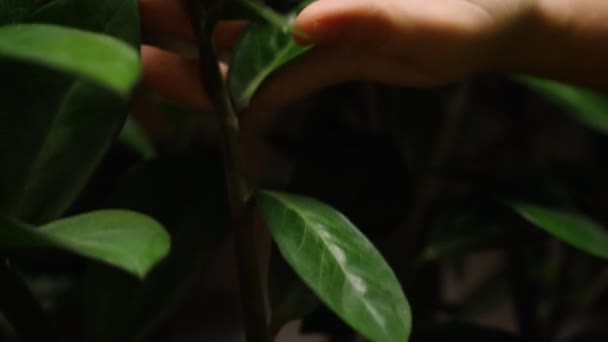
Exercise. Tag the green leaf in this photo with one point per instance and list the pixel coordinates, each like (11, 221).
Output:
(264, 48)
(54, 127)
(340, 264)
(572, 228)
(133, 136)
(102, 59)
(583, 105)
(131, 241)
(187, 195)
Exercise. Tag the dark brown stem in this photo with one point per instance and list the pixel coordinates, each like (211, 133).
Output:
(239, 191)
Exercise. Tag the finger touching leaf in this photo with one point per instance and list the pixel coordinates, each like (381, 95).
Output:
(265, 47)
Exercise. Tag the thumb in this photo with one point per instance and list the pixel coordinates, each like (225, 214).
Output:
(340, 21)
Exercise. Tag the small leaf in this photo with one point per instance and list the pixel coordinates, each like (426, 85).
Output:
(263, 49)
(125, 239)
(572, 228)
(102, 59)
(340, 264)
(133, 136)
(585, 106)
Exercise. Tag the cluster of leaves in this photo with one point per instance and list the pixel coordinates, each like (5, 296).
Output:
(429, 176)
(68, 68)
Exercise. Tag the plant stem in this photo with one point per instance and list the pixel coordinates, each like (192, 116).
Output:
(239, 191)
(20, 308)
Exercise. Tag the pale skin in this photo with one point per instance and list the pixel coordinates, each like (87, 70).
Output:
(419, 43)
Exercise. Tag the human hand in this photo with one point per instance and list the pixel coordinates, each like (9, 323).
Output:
(402, 42)
(412, 42)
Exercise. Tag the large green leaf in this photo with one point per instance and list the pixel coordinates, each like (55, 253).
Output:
(54, 127)
(187, 195)
(585, 106)
(264, 48)
(125, 239)
(340, 264)
(572, 228)
(105, 60)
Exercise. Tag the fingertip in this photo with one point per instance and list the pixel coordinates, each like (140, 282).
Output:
(337, 21)
(174, 77)
(310, 24)
(316, 70)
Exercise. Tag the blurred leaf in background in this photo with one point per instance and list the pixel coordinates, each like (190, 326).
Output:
(56, 128)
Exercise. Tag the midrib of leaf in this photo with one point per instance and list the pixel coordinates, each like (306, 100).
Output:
(261, 76)
(60, 113)
(302, 214)
(43, 147)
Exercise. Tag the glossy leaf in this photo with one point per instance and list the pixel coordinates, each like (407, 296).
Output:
(105, 60)
(585, 106)
(264, 48)
(572, 228)
(56, 127)
(340, 264)
(125, 239)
